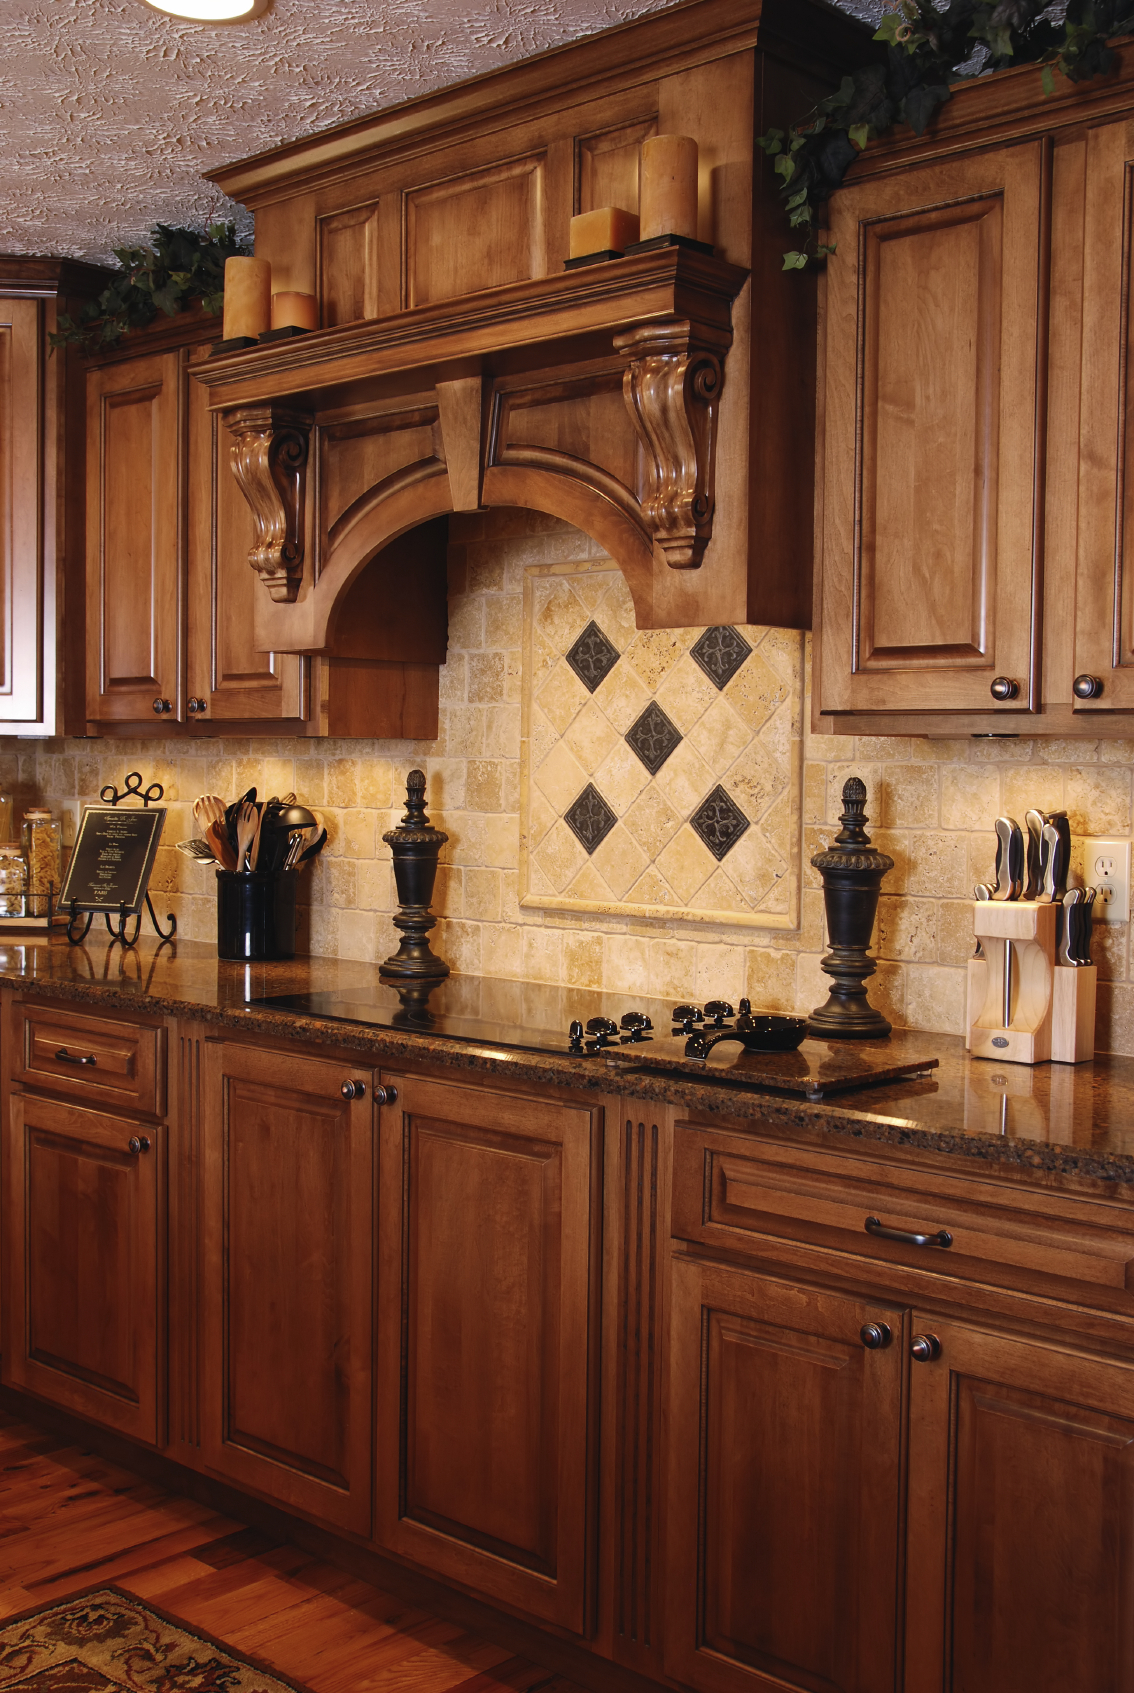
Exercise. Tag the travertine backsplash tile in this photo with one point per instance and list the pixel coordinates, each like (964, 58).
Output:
(519, 894)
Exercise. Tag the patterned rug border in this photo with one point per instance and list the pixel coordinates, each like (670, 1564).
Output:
(169, 1617)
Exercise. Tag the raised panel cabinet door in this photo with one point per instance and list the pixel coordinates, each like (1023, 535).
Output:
(1104, 593)
(784, 1464)
(21, 513)
(84, 1250)
(935, 313)
(1021, 1518)
(134, 546)
(286, 1277)
(228, 680)
(488, 1284)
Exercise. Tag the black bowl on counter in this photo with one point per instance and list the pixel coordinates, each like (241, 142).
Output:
(771, 1031)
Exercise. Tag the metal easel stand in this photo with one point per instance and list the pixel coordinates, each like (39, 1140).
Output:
(116, 928)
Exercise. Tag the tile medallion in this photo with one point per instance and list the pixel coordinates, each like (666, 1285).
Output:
(720, 652)
(660, 769)
(653, 737)
(592, 657)
(589, 818)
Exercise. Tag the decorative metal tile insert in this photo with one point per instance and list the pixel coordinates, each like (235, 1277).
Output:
(590, 819)
(720, 822)
(720, 652)
(592, 658)
(653, 737)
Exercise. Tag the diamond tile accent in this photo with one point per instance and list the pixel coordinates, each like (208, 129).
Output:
(719, 821)
(593, 657)
(720, 652)
(590, 819)
(653, 737)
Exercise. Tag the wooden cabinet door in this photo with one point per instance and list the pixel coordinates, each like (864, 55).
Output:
(783, 1497)
(85, 1289)
(286, 1276)
(931, 566)
(21, 514)
(1104, 595)
(487, 1382)
(134, 548)
(1021, 1518)
(235, 682)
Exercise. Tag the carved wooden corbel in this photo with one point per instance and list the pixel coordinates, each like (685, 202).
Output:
(672, 386)
(269, 461)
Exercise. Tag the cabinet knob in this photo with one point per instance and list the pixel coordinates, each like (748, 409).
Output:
(1004, 688)
(875, 1336)
(1087, 687)
(138, 1143)
(197, 705)
(161, 706)
(386, 1095)
(353, 1090)
(924, 1348)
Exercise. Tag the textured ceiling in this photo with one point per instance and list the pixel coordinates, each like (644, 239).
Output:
(110, 112)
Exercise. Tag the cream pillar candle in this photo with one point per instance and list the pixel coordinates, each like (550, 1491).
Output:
(294, 311)
(669, 186)
(247, 297)
(607, 230)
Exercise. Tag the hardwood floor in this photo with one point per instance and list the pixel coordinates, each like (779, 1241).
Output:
(70, 1520)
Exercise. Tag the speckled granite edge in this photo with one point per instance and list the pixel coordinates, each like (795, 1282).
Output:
(834, 1119)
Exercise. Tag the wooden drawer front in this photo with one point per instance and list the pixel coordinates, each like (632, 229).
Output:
(92, 1056)
(997, 1234)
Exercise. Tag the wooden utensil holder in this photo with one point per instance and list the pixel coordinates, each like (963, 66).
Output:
(1052, 1007)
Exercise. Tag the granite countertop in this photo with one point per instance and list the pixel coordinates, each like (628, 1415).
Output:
(1050, 1121)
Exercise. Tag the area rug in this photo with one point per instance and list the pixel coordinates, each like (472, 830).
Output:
(105, 1640)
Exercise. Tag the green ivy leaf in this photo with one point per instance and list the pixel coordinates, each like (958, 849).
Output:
(859, 134)
(771, 142)
(795, 261)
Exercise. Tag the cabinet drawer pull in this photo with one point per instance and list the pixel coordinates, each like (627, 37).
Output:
(353, 1090)
(161, 706)
(875, 1336)
(925, 1348)
(138, 1143)
(386, 1095)
(197, 705)
(1004, 688)
(907, 1237)
(1087, 687)
(66, 1057)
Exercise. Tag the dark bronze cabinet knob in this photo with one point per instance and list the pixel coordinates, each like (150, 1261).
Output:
(1087, 687)
(1004, 688)
(138, 1143)
(875, 1336)
(353, 1090)
(161, 706)
(924, 1348)
(197, 705)
(386, 1095)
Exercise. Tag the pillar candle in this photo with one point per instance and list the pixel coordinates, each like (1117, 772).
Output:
(247, 297)
(669, 186)
(607, 230)
(299, 311)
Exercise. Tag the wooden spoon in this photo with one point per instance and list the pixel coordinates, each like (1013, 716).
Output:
(247, 823)
(217, 838)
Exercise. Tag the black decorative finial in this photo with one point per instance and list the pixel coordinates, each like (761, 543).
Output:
(415, 845)
(852, 875)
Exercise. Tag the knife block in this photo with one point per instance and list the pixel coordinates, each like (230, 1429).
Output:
(1053, 1006)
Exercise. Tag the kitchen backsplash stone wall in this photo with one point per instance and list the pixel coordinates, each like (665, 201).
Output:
(666, 912)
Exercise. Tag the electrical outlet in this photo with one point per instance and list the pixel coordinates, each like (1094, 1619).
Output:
(69, 820)
(1106, 866)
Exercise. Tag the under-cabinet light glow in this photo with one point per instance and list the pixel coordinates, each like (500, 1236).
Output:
(211, 11)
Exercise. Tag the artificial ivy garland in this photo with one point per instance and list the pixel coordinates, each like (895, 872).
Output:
(926, 48)
(181, 266)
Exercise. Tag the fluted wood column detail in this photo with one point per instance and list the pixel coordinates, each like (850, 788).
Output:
(672, 387)
(269, 461)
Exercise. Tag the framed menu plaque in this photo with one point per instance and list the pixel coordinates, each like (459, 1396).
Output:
(112, 861)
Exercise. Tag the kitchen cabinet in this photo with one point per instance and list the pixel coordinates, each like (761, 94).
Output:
(973, 381)
(41, 498)
(487, 1382)
(84, 1253)
(288, 1170)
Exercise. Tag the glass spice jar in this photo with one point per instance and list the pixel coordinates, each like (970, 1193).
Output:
(43, 849)
(13, 881)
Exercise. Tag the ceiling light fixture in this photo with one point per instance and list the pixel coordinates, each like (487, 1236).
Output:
(211, 11)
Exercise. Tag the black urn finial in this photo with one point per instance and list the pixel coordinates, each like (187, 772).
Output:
(852, 873)
(415, 845)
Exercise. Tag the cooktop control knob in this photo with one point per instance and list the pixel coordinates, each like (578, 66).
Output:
(746, 1008)
(718, 1010)
(575, 1037)
(685, 1016)
(604, 1030)
(637, 1026)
